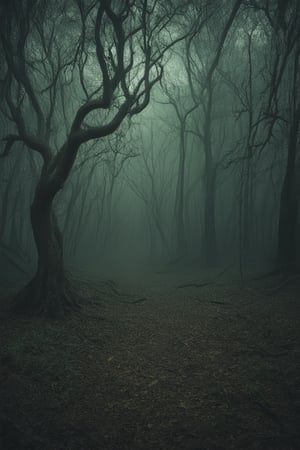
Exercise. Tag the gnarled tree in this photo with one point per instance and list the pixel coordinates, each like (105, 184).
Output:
(105, 56)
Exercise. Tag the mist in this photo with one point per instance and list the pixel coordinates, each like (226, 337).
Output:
(149, 198)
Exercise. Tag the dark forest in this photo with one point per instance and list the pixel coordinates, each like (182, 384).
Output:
(149, 224)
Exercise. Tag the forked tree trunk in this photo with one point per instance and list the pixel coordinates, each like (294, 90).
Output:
(47, 292)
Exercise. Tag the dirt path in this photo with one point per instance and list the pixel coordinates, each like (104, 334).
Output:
(203, 368)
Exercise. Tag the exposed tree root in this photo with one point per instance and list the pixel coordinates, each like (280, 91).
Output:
(55, 303)
(284, 283)
(206, 283)
(197, 285)
(284, 271)
(133, 302)
(112, 288)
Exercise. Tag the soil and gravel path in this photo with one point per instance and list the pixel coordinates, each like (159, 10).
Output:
(148, 365)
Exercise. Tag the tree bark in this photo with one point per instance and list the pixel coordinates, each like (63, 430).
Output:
(287, 222)
(287, 230)
(47, 292)
(210, 241)
(181, 246)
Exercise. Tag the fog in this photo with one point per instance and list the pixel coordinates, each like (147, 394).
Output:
(196, 177)
(149, 224)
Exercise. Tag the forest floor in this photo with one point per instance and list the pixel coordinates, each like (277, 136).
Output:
(164, 361)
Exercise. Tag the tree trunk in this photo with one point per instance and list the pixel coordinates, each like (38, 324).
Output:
(210, 241)
(287, 223)
(46, 293)
(287, 253)
(179, 200)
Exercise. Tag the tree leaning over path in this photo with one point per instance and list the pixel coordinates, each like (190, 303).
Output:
(111, 54)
